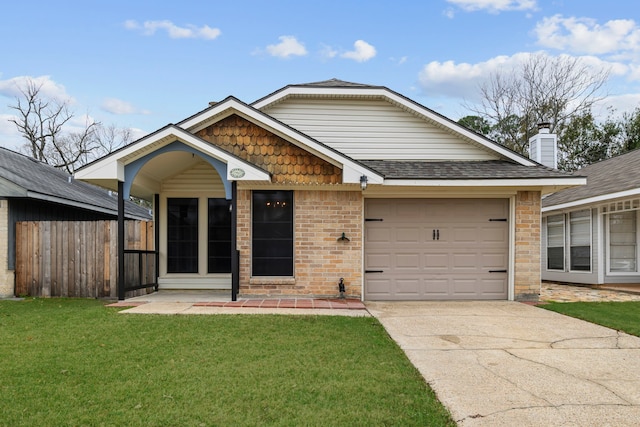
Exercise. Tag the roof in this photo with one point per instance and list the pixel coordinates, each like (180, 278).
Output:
(25, 177)
(490, 169)
(335, 83)
(607, 179)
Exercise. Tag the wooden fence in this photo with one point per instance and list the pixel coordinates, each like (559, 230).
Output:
(78, 259)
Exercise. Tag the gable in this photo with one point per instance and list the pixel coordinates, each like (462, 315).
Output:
(372, 129)
(287, 163)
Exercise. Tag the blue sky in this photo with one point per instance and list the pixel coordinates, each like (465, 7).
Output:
(143, 64)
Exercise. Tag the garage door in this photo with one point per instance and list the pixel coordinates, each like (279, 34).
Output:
(436, 249)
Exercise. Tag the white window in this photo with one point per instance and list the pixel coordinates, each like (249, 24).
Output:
(580, 240)
(623, 242)
(555, 242)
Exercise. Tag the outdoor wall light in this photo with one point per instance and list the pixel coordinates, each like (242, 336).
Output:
(363, 182)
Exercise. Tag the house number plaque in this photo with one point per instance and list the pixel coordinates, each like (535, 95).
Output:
(236, 172)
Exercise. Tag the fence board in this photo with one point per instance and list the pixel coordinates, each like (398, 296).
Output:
(76, 259)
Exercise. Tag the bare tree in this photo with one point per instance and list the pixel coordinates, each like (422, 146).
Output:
(43, 122)
(543, 88)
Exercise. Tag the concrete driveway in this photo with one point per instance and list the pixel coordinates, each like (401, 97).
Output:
(510, 364)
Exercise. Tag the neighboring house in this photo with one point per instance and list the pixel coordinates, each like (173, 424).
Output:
(329, 181)
(34, 191)
(591, 234)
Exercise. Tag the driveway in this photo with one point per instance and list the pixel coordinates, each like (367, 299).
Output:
(510, 364)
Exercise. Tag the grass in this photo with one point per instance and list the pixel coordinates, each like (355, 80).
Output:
(76, 362)
(622, 316)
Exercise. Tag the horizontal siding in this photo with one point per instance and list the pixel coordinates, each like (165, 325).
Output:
(370, 130)
(199, 178)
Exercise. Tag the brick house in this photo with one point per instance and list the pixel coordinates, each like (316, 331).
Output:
(334, 180)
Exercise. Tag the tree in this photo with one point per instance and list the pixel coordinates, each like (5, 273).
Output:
(543, 88)
(584, 141)
(477, 124)
(630, 131)
(44, 123)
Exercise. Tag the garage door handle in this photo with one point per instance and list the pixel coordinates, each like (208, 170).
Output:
(497, 271)
(374, 271)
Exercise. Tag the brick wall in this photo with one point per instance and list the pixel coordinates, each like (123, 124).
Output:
(6, 276)
(320, 259)
(527, 251)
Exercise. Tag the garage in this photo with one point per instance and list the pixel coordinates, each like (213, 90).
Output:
(436, 249)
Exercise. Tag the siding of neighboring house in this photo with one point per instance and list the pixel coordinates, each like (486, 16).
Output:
(6, 274)
(373, 130)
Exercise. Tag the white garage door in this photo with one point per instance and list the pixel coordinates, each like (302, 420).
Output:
(436, 249)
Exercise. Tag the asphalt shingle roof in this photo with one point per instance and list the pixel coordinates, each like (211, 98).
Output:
(490, 169)
(613, 175)
(37, 177)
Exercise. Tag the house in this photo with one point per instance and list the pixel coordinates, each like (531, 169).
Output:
(591, 234)
(335, 182)
(34, 191)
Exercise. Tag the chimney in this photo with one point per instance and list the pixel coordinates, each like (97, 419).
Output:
(543, 147)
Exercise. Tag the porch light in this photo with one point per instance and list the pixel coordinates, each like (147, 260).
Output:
(363, 182)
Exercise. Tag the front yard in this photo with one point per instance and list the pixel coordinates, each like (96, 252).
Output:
(76, 362)
(621, 316)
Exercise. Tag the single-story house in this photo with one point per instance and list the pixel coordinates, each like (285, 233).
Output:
(335, 182)
(34, 191)
(591, 234)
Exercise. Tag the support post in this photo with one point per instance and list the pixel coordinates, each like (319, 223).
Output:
(121, 283)
(156, 234)
(235, 258)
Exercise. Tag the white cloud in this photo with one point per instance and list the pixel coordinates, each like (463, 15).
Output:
(48, 88)
(363, 51)
(149, 28)
(120, 107)
(328, 52)
(287, 47)
(585, 35)
(492, 6)
(461, 80)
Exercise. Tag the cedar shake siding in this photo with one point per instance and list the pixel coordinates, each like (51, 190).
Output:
(286, 163)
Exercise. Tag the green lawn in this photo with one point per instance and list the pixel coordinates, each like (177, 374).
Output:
(622, 316)
(76, 362)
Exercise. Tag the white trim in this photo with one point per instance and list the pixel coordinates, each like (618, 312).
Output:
(351, 170)
(602, 266)
(380, 92)
(595, 199)
(511, 275)
(517, 182)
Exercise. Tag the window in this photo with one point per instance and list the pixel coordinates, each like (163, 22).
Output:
(182, 235)
(580, 240)
(272, 239)
(623, 242)
(555, 242)
(219, 236)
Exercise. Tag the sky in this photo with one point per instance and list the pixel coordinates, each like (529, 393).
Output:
(144, 64)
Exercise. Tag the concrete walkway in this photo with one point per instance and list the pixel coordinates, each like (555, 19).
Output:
(511, 364)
